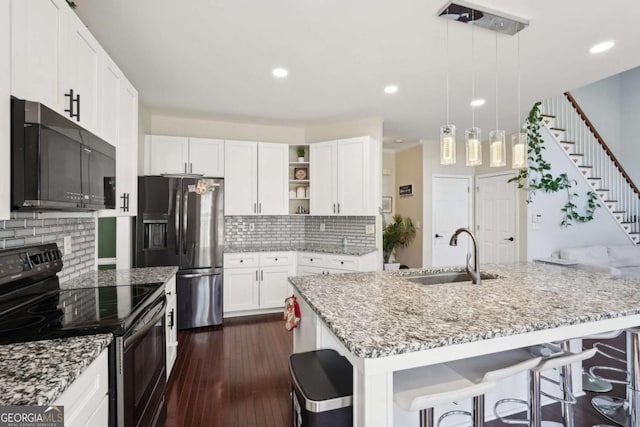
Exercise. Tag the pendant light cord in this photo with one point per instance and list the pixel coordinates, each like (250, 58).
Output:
(447, 71)
(497, 70)
(519, 78)
(473, 76)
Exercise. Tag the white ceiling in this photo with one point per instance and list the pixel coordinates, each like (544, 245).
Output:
(214, 57)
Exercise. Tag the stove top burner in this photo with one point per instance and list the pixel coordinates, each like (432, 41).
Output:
(19, 323)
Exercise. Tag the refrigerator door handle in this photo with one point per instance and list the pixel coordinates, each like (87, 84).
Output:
(177, 220)
(193, 275)
(185, 209)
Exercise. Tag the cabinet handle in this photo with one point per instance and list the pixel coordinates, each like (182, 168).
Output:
(259, 207)
(78, 107)
(261, 275)
(256, 275)
(70, 110)
(125, 202)
(185, 167)
(255, 208)
(190, 167)
(334, 208)
(171, 319)
(338, 207)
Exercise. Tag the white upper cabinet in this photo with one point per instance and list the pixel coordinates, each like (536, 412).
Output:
(38, 30)
(256, 178)
(127, 151)
(5, 114)
(110, 108)
(81, 73)
(166, 154)
(206, 156)
(342, 177)
(356, 184)
(324, 178)
(241, 178)
(273, 183)
(184, 155)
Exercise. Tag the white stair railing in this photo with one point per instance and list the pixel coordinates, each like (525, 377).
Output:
(587, 149)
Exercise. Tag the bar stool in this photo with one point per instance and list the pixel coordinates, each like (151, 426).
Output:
(422, 389)
(596, 383)
(562, 361)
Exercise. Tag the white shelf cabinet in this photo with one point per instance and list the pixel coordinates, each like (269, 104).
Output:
(171, 325)
(256, 178)
(256, 282)
(86, 401)
(184, 155)
(342, 174)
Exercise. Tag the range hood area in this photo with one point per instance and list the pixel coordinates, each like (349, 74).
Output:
(56, 164)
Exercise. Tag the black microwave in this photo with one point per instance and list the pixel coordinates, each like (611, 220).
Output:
(56, 164)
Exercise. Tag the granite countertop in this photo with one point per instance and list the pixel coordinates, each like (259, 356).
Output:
(393, 315)
(325, 249)
(38, 372)
(133, 276)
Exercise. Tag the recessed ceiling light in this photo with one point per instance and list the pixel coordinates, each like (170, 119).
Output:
(477, 102)
(280, 72)
(601, 47)
(390, 89)
(398, 141)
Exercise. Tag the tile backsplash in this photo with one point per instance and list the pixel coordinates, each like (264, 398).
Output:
(298, 230)
(25, 229)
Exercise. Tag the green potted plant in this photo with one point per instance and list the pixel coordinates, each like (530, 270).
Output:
(301, 152)
(399, 233)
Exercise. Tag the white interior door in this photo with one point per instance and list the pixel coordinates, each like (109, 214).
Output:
(450, 209)
(496, 218)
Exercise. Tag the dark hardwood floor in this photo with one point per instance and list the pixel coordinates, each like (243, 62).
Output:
(237, 376)
(232, 376)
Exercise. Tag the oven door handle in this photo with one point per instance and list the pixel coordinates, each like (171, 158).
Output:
(139, 333)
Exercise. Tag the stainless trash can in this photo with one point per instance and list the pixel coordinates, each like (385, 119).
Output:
(322, 392)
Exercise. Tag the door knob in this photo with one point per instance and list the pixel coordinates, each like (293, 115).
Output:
(438, 236)
(509, 239)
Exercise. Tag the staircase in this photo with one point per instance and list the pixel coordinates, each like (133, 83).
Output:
(590, 154)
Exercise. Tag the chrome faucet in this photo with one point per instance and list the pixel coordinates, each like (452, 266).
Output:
(475, 273)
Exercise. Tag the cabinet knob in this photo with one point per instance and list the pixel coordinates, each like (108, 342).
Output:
(276, 259)
(241, 261)
(311, 259)
(341, 262)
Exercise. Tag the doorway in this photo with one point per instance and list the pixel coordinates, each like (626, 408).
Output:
(451, 208)
(496, 218)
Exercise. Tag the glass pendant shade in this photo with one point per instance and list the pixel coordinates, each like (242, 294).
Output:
(473, 146)
(497, 149)
(519, 150)
(448, 145)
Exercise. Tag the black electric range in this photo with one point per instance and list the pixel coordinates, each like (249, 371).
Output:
(34, 307)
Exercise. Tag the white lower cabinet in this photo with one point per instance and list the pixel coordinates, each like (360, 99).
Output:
(310, 263)
(171, 324)
(256, 282)
(86, 401)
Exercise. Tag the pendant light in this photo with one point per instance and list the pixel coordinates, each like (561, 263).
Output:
(519, 139)
(448, 131)
(472, 136)
(497, 146)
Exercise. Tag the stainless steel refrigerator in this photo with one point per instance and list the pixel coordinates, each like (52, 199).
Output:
(180, 222)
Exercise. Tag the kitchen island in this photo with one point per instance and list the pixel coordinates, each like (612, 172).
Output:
(383, 322)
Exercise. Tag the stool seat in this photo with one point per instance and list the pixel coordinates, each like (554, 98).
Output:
(495, 367)
(430, 386)
(565, 359)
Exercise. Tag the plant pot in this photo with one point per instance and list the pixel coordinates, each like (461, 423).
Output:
(392, 266)
(300, 159)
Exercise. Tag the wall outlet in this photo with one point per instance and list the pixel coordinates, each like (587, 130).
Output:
(322, 226)
(252, 227)
(369, 228)
(67, 245)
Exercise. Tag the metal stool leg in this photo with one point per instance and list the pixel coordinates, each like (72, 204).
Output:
(567, 388)
(478, 411)
(535, 410)
(426, 417)
(633, 365)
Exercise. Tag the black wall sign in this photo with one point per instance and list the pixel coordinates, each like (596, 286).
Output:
(406, 190)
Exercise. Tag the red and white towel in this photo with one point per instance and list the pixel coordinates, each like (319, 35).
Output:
(291, 313)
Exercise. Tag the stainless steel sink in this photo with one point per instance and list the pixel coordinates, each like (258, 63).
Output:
(453, 277)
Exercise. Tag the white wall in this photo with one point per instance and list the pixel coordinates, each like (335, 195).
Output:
(603, 230)
(5, 115)
(328, 131)
(204, 128)
(389, 178)
(630, 119)
(602, 103)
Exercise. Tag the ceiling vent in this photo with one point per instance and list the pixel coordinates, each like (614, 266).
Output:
(469, 13)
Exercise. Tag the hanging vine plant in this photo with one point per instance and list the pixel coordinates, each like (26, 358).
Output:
(538, 176)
